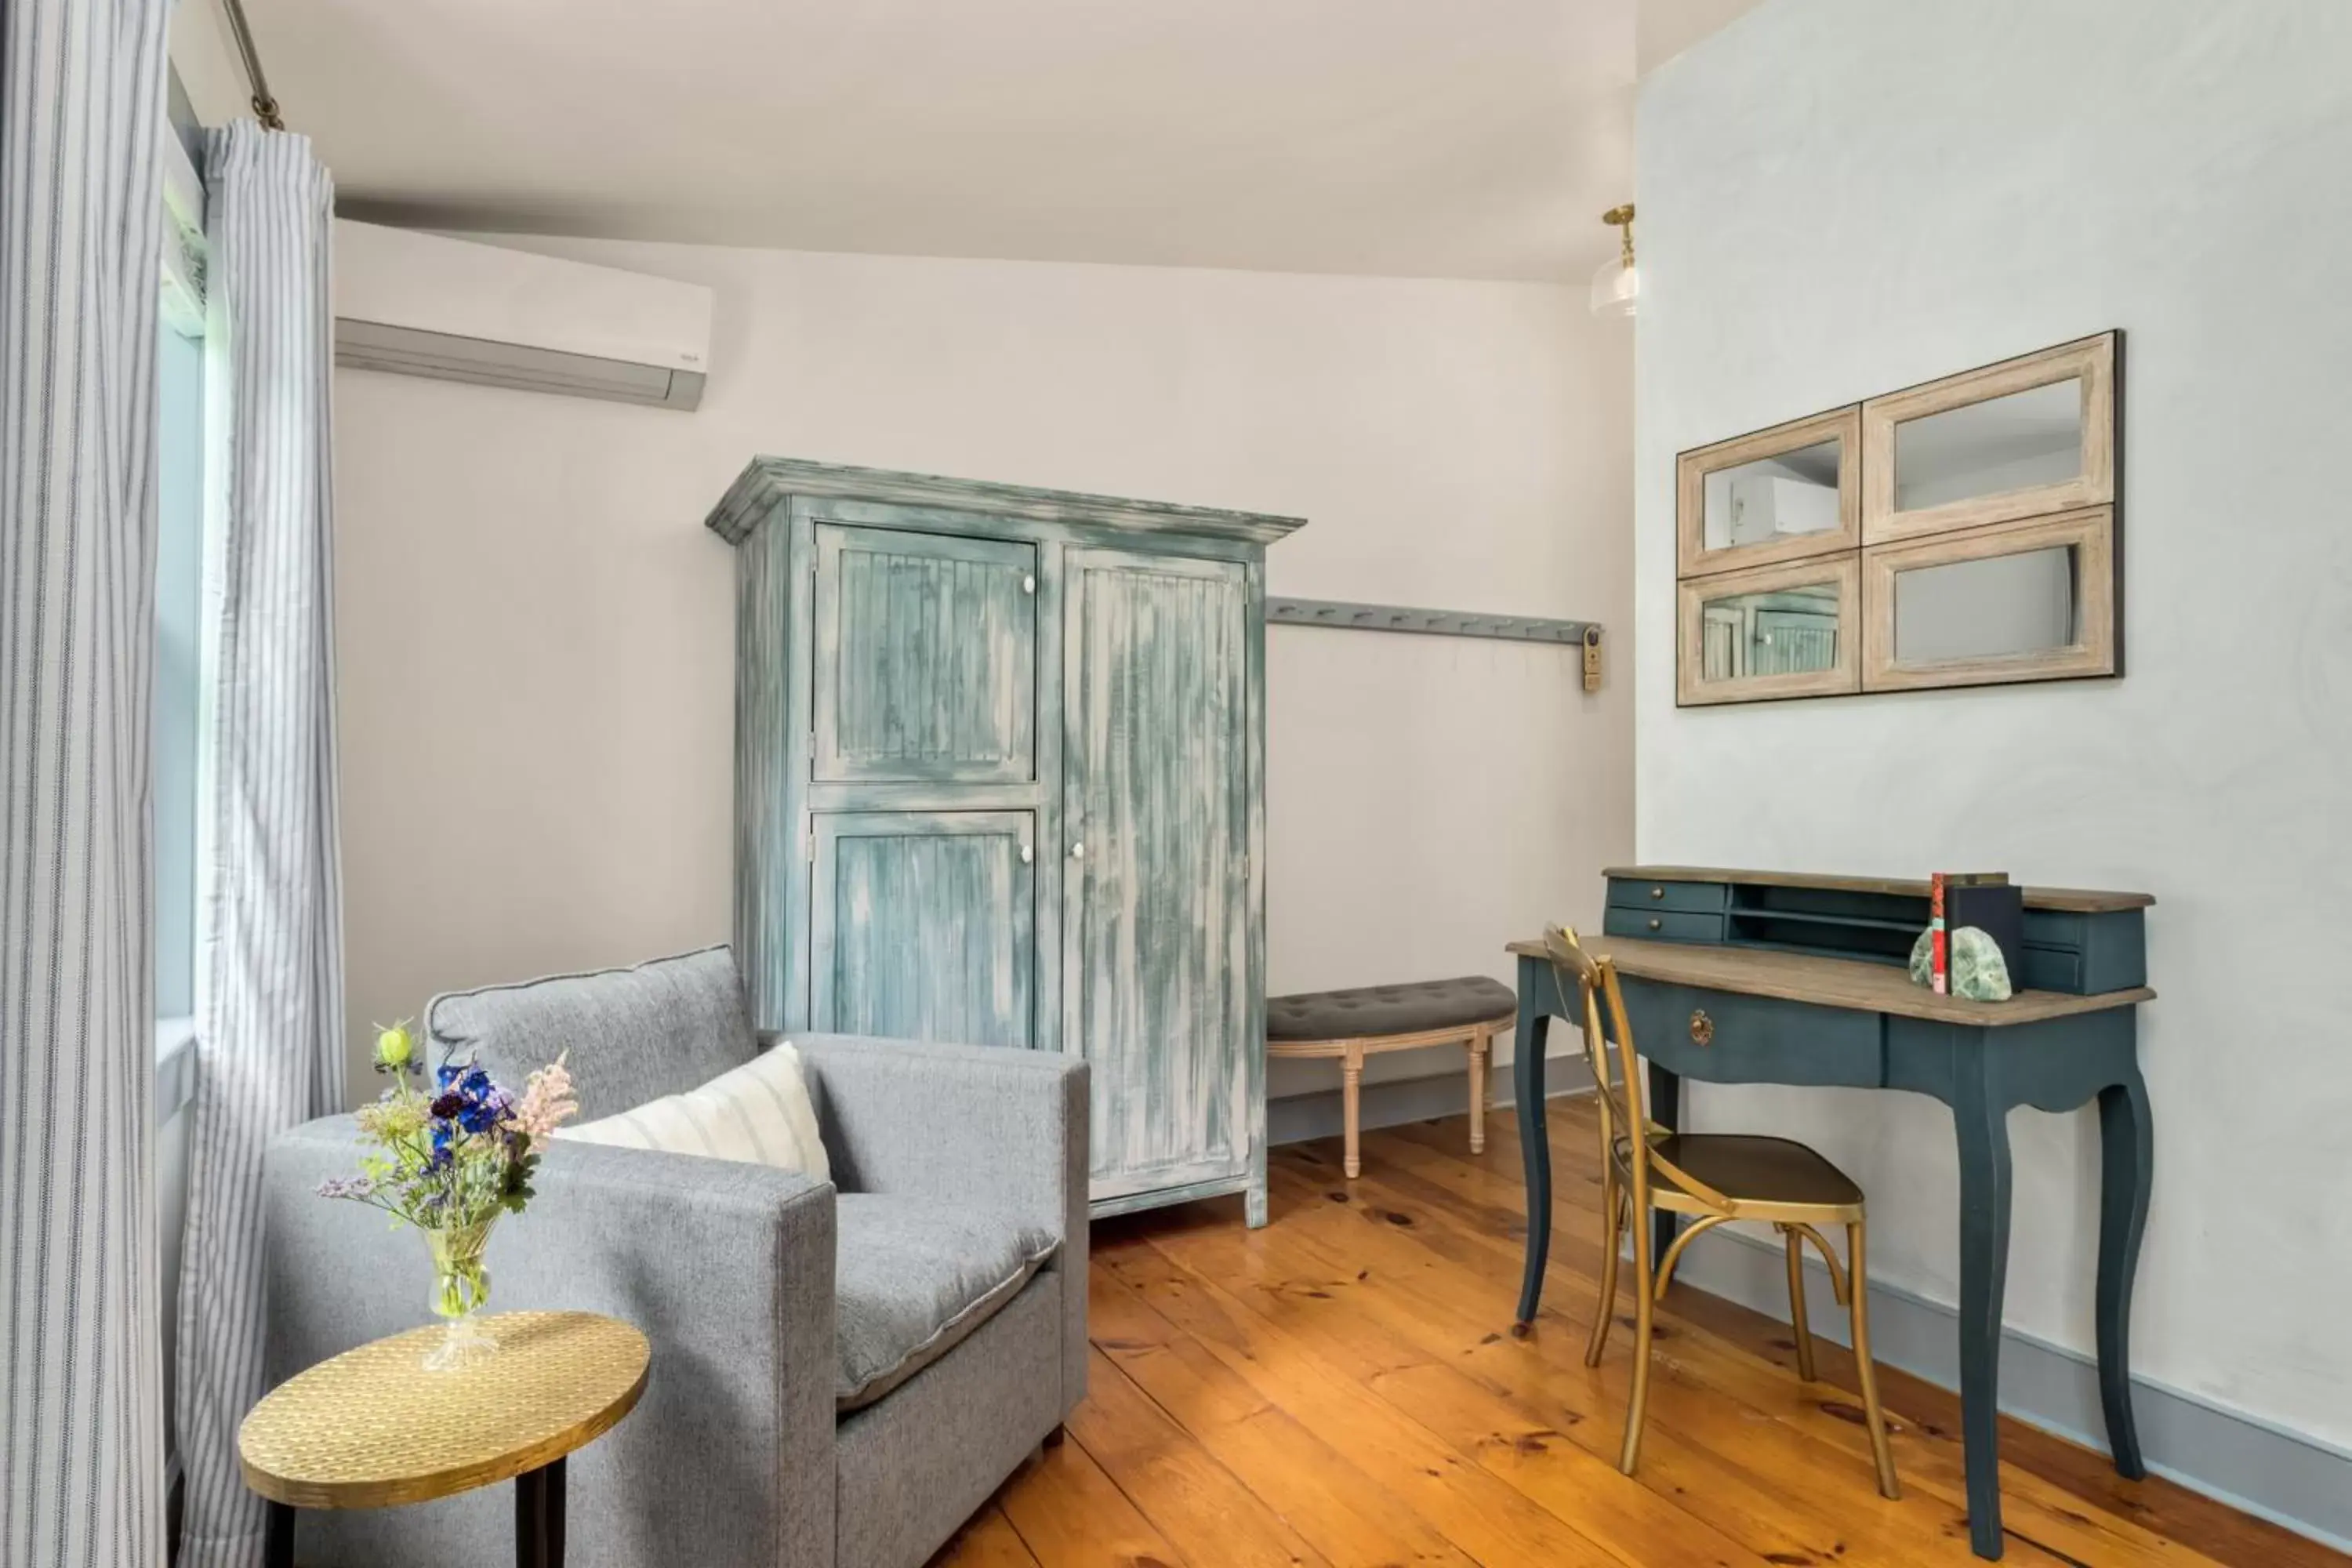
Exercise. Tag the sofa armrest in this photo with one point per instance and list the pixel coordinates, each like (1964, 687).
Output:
(981, 1124)
(728, 1268)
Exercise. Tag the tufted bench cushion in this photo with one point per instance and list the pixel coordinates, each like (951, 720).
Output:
(1353, 1025)
(1369, 1010)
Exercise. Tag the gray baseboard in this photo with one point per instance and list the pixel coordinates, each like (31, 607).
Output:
(1301, 1117)
(2251, 1465)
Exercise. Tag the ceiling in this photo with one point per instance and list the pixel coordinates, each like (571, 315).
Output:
(1437, 137)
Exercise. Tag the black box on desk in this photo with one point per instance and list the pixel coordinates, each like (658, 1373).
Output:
(1998, 910)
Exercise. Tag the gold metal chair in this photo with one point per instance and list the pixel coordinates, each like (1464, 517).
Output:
(1713, 1177)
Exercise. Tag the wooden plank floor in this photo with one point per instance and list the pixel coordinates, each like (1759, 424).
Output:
(1344, 1387)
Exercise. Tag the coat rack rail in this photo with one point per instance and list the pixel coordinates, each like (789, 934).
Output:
(1343, 616)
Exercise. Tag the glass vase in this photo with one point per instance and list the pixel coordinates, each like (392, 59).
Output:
(461, 1288)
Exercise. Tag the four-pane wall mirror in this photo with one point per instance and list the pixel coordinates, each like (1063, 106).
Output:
(1958, 533)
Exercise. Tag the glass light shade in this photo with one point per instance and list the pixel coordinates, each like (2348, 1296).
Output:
(1616, 288)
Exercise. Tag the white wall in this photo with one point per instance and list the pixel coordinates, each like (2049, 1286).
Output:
(1842, 197)
(536, 630)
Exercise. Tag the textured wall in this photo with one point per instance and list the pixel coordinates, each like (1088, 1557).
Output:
(537, 631)
(1841, 197)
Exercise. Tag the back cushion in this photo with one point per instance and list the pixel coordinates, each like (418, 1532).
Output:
(759, 1113)
(634, 1034)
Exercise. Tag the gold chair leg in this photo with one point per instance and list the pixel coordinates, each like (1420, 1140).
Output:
(1797, 1320)
(1612, 1203)
(1644, 1307)
(1858, 1289)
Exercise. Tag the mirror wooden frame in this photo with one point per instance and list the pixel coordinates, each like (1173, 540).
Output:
(1693, 558)
(2094, 360)
(2097, 648)
(1841, 679)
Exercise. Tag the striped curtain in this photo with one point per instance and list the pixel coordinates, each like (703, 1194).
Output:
(82, 1444)
(269, 954)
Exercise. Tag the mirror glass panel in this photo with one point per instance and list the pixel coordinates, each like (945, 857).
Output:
(1788, 631)
(1774, 498)
(1997, 608)
(2022, 441)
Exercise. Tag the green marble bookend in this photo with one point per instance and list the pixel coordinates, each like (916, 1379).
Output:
(1979, 973)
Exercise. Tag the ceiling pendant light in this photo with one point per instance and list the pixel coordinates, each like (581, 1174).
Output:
(1617, 286)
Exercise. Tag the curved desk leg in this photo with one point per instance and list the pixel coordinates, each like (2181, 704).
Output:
(1535, 1147)
(1981, 1122)
(2127, 1167)
(1665, 1109)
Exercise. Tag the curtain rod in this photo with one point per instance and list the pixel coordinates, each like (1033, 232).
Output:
(265, 107)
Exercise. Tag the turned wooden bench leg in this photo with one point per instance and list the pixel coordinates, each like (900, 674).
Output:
(1481, 1045)
(1351, 1094)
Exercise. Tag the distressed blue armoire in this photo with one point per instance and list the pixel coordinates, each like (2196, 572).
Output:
(998, 778)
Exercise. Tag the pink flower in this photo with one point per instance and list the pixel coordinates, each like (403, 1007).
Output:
(546, 1104)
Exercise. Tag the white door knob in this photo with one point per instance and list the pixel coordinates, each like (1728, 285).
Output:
(1077, 851)
(1028, 585)
(1027, 855)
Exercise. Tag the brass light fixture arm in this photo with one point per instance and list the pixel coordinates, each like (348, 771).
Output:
(1622, 219)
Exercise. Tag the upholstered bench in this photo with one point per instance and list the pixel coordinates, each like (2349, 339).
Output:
(1353, 1024)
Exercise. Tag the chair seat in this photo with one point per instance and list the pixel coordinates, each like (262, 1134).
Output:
(1756, 1169)
(912, 1278)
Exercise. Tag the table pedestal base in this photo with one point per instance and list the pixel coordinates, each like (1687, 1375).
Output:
(539, 1523)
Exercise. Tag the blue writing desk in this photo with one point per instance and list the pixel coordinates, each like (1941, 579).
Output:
(1766, 977)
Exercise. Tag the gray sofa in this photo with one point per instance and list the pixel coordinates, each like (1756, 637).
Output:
(778, 1308)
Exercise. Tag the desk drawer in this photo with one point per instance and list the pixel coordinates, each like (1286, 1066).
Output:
(1754, 1039)
(1689, 898)
(2084, 952)
(1666, 925)
(2051, 969)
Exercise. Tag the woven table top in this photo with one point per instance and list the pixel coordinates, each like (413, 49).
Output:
(372, 1427)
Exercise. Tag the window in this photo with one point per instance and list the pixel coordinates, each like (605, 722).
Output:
(179, 594)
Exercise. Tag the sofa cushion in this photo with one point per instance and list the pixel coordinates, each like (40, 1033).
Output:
(759, 1112)
(911, 1278)
(634, 1034)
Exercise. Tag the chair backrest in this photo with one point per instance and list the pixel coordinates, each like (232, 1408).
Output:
(1619, 1080)
(633, 1035)
(1594, 981)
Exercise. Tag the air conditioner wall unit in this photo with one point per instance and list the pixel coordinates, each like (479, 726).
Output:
(419, 304)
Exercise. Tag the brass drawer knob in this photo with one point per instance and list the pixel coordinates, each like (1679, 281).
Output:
(1656, 924)
(1702, 1027)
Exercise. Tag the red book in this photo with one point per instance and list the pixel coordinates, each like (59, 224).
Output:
(1940, 951)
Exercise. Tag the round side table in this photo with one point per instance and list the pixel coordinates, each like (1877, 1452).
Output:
(372, 1427)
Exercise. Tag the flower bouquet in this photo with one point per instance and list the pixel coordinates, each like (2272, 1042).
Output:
(450, 1162)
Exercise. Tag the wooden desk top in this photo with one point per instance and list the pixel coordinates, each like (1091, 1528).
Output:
(1830, 982)
(372, 1427)
(2080, 900)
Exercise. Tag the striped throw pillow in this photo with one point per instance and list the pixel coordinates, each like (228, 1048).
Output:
(759, 1113)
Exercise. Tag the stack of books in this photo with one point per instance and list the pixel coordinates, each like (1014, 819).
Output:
(1980, 899)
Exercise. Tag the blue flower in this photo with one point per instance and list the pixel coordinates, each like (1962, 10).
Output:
(490, 1113)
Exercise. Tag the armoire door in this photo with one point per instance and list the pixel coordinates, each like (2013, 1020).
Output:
(1155, 925)
(923, 925)
(925, 659)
